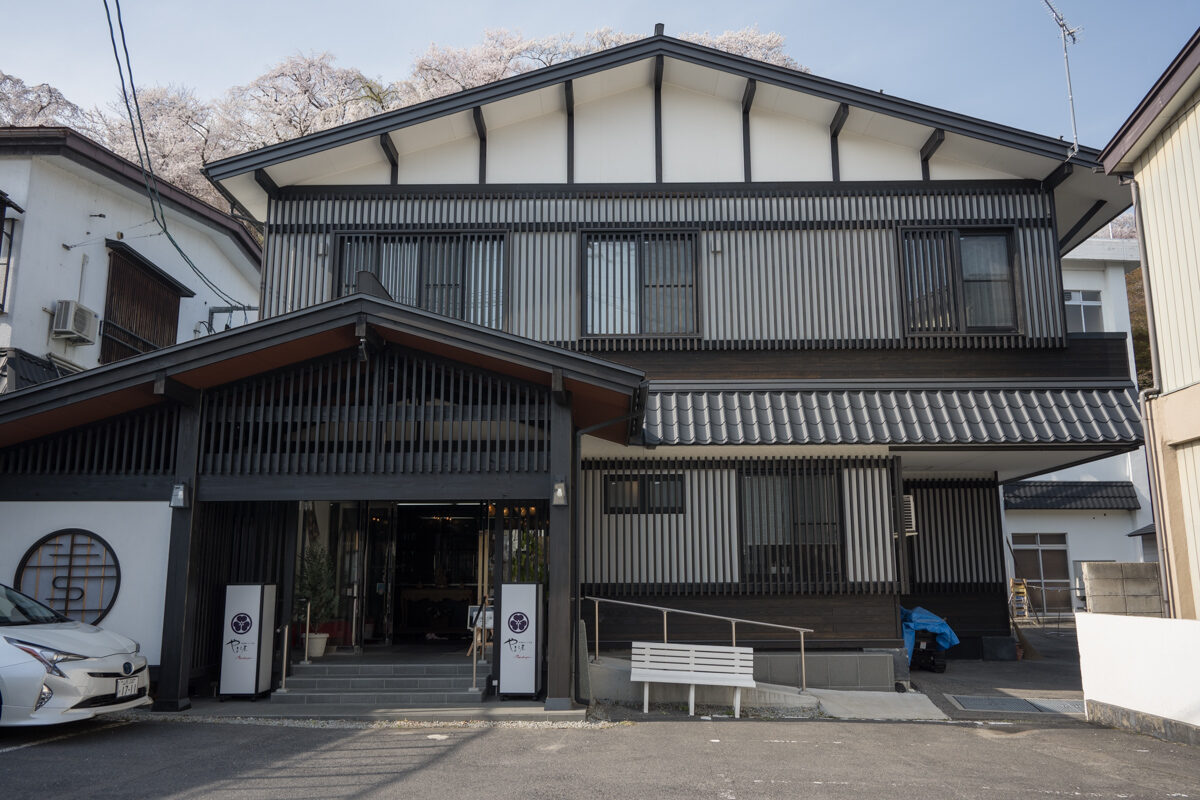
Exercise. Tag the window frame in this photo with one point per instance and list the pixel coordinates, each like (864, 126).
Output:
(8, 239)
(693, 235)
(643, 505)
(962, 327)
(1082, 304)
(345, 287)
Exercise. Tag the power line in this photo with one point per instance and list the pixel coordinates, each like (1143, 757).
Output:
(139, 142)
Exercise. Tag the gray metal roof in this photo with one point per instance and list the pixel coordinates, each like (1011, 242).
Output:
(1071, 495)
(1145, 530)
(894, 416)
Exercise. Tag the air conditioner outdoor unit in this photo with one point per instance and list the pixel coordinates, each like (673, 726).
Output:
(74, 322)
(908, 513)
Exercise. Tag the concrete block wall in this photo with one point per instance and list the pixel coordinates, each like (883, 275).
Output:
(1132, 589)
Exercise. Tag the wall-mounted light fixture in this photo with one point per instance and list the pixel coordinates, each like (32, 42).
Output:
(180, 496)
(559, 498)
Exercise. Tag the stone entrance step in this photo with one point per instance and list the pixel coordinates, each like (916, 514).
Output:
(377, 686)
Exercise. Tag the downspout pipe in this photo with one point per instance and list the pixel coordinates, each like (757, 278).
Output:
(1145, 396)
(577, 475)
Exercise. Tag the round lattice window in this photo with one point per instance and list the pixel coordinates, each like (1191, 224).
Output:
(73, 571)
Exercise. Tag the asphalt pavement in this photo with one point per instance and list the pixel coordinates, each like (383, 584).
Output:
(176, 757)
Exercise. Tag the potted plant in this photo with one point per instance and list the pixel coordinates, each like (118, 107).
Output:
(316, 587)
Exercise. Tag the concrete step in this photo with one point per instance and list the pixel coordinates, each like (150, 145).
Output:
(334, 669)
(380, 699)
(379, 682)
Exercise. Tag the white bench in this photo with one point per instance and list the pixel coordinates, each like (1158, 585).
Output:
(707, 665)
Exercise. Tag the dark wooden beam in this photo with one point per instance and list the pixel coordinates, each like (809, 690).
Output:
(569, 97)
(287, 589)
(369, 340)
(558, 562)
(1060, 174)
(929, 148)
(267, 183)
(179, 604)
(432, 488)
(481, 132)
(835, 128)
(17, 486)
(747, 102)
(393, 156)
(658, 129)
(1084, 220)
(175, 391)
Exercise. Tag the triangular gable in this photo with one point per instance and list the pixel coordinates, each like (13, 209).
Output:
(515, 132)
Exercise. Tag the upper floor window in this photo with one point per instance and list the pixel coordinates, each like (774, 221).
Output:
(458, 275)
(639, 283)
(1083, 311)
(141, 306)
(959, 281)
(7, 230)
(643, 494)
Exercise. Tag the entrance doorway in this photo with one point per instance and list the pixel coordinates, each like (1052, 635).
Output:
(409, 572)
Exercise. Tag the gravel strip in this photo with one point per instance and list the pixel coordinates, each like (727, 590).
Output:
(349, 724)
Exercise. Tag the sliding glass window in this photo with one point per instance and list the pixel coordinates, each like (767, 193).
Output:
(640, 284)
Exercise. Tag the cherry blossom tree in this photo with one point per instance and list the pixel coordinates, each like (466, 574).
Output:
(22, 105)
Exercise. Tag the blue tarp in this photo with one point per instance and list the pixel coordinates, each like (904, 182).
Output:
(921, 620)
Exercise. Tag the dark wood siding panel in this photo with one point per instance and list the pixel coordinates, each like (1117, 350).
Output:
(835, 621)
(787, 267)
(395, 411)
(1083, 358)
(141, 311)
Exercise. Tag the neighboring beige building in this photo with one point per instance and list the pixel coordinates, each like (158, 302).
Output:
(1159, 147)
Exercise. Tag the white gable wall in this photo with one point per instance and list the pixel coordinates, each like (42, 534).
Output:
(862, 158)
(614, 138)
(702, 137)
(455, 161)
(787, 148)
(529, 151)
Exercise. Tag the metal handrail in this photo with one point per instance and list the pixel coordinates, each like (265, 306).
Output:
(733, 622)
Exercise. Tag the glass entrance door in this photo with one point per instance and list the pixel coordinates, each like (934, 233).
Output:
(380, 572)
(1041, 560)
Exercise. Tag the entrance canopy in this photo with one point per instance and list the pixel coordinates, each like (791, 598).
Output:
(600, 390)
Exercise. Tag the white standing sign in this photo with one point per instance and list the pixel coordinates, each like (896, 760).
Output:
(247, 638)
(518, 638)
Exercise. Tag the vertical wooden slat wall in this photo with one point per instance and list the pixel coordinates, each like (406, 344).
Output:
(767, 526)
(141, 311)
(788, 267)
(398, 411)
(959, 541)
(137, 443)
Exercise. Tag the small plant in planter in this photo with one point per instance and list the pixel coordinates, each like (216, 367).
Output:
(316, 586)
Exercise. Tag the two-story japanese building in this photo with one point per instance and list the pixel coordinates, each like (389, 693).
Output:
(659, 324)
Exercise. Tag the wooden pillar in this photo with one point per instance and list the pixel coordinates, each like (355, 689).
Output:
(179, 606)
(558, 604)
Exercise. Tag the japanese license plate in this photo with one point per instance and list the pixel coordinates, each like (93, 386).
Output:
(127, 687)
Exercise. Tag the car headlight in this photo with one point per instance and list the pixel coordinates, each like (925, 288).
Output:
(48, 656)
(137, 647)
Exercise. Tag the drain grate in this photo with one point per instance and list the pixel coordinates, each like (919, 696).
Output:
(1033, 705)
(971, 702)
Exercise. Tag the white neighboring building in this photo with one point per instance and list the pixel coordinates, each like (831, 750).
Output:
(77, 227)
(1099, 511)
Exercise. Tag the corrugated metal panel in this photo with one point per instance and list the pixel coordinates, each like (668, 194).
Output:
(1168, 175)
(801, 267)
(1188, 459)
(1066, 495)
(893, 416)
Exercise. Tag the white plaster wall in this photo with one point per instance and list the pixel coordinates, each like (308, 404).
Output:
(14, 181)
(63, 205)
(787, 148)
(862, 158)
(953, 169)
(702, 137)
(614, 138)
(139, 534)
(531, 151)
(455, 161)
(1142, 664)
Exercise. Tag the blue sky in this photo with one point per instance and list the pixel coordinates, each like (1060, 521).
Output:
(996, 59)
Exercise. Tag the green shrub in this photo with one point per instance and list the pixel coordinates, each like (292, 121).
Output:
(317, 585)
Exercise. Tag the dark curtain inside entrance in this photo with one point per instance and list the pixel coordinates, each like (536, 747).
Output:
(232, 543)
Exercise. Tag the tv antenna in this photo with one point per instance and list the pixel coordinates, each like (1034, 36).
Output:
(1067, 32)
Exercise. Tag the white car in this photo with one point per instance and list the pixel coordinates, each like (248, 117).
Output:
(54, 669)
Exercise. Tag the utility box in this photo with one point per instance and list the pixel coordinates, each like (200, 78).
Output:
(247, 639)
(518, 639)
